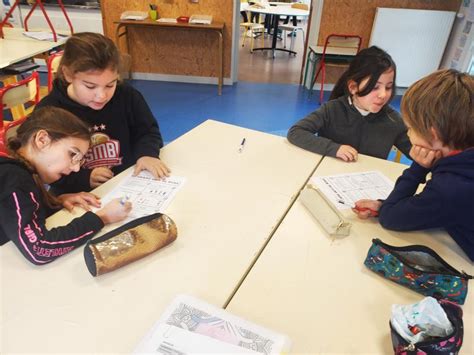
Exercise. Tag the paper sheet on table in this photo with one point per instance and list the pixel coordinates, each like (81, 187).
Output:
(167, 20)
(190, 325)
(43, 36)
(147, 194)
(350, 188)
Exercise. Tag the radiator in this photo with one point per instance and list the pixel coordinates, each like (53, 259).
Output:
(415, 39)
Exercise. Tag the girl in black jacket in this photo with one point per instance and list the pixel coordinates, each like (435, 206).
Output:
(50, 144)
(124, 131)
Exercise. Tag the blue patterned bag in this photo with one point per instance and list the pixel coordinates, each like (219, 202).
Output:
(419, 268)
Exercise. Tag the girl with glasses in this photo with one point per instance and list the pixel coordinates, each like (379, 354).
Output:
(50, 144)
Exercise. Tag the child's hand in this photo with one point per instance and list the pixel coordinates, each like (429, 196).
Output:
(114, 211)
(153, 165)
(424, 156)
(366, 208)
(346, 153)
(100, 175)
(81, 199)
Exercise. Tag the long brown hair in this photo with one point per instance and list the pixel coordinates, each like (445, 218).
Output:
(368, 63)
(59, 124)
(86, 51)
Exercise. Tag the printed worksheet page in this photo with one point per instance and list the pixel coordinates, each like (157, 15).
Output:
(192, 326)
(343, 190)
(147, 194)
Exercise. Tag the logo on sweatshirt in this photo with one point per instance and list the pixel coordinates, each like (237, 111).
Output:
(103, 152)
(30, 234)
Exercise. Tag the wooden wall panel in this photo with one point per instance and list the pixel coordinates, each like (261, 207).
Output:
(174, 51)
(357, 17)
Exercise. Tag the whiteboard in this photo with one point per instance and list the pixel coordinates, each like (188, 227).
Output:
(415, 39)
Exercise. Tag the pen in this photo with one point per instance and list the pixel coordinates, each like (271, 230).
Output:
(373, 213)
(242, 145)
(124, 199)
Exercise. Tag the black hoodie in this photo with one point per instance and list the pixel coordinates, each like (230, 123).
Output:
(122, 131)
(24, 213)
(445, 202)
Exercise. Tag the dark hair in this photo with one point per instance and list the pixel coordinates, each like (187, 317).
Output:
(86, 51)
(368, 63)
(59, 124)
(442, 100)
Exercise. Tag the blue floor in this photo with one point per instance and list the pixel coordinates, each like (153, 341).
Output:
(271, 108)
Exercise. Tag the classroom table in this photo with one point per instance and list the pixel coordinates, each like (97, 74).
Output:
(214, 27)
(316, 289)
(225, 213)
(276, 12)
(16, 47)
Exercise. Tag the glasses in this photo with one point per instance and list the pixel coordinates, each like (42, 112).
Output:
(76, 157)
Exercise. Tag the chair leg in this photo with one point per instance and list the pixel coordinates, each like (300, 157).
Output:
(292, 43)
(313, 82)
(244, 36)
(323, 74)
(306, 69)
(251, 41)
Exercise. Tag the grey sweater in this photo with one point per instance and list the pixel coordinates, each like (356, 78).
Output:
(337, 122)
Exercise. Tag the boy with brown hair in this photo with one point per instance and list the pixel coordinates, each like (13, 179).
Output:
(439, 113)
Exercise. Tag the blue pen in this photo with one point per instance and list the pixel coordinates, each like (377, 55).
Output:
(124, 199)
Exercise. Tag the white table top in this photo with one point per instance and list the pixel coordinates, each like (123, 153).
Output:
(318, 291)
(16, 47)
(350, 51)
(278, 10)
(225, 212)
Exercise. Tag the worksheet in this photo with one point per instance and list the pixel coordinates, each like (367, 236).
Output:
(343, 190)
(147, 194)
(192, 326)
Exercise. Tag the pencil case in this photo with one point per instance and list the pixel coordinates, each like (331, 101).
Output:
(446, 345)
(128, 243)
(419, 268)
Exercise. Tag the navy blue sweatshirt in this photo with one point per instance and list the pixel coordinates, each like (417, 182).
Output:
(447, 201)
(24, 213)
(122, 131)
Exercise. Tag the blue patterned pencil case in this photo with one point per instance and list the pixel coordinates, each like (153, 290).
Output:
(419, 268)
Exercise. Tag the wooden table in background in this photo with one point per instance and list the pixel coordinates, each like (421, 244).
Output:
(215, 27)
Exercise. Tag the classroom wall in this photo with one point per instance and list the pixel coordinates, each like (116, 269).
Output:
(357, 17)
(174, 51)
(460, 50)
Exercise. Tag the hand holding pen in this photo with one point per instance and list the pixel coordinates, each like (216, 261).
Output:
(367, 208)
(115, 210)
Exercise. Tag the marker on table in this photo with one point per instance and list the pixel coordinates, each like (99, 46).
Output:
(241, 148)
(373, 213)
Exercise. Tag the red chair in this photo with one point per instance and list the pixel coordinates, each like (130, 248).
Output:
(53, 64)
(14, 97)
(339, 49)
